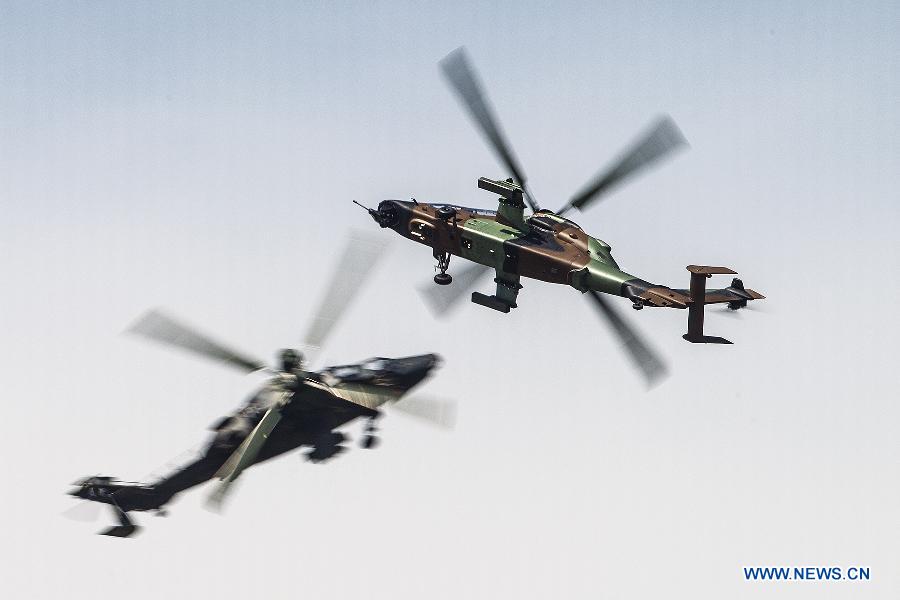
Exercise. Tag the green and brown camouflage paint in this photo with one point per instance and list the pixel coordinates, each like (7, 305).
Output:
(544, 246)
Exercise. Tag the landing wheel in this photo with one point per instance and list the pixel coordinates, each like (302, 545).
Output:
(443, 279)
(370, 440)
(443, 260)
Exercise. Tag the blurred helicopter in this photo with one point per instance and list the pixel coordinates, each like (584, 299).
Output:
(546, 245)
(297, 407)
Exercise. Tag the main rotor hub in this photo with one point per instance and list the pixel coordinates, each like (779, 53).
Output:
(291, 360)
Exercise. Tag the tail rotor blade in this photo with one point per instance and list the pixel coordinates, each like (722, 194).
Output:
(359, 258)
(161, 328)
(662, 138)
(644, 358)
(459, 73)
(441, 299)
(738, 313)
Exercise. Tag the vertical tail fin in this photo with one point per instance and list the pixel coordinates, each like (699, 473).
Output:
(699, 275)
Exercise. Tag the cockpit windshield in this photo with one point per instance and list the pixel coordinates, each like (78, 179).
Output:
(475, 211)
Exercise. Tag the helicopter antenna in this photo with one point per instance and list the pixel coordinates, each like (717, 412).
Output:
(362, 206)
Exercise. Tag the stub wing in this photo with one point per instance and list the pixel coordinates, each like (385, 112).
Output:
(504, 299)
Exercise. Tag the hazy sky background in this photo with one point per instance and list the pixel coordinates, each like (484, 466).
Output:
(203, 157)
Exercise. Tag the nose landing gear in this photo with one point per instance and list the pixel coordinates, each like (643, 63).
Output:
(442, 278)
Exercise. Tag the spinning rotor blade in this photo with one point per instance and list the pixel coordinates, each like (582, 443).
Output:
(650, 365)
(246, 453)
(459, 72)
(161, 328)
(736, 313)
(441, 298)
(84, 511)
(658, 141)
(435, 411)
(356, 263)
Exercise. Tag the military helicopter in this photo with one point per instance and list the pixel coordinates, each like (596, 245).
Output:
(546, 245)
(297, 407)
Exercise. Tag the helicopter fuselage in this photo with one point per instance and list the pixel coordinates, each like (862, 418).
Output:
(325, 401)
(543, 246)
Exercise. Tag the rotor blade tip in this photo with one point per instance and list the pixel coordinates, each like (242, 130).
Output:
(454, 56)
(673, 132)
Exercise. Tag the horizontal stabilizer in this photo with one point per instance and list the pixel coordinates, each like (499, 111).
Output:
(704, 270)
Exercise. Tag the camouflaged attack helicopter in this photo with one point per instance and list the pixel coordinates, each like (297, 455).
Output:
(545, 245)
(295, 408)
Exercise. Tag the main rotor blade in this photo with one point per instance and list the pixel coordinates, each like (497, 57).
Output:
(355, 265)
(651, 366)
(662, 138)
(459, 72)
(427, 408)
(159, 327)
(442, 298)
(246, 453)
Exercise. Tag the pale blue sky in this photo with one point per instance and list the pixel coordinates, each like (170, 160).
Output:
(202, 157)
